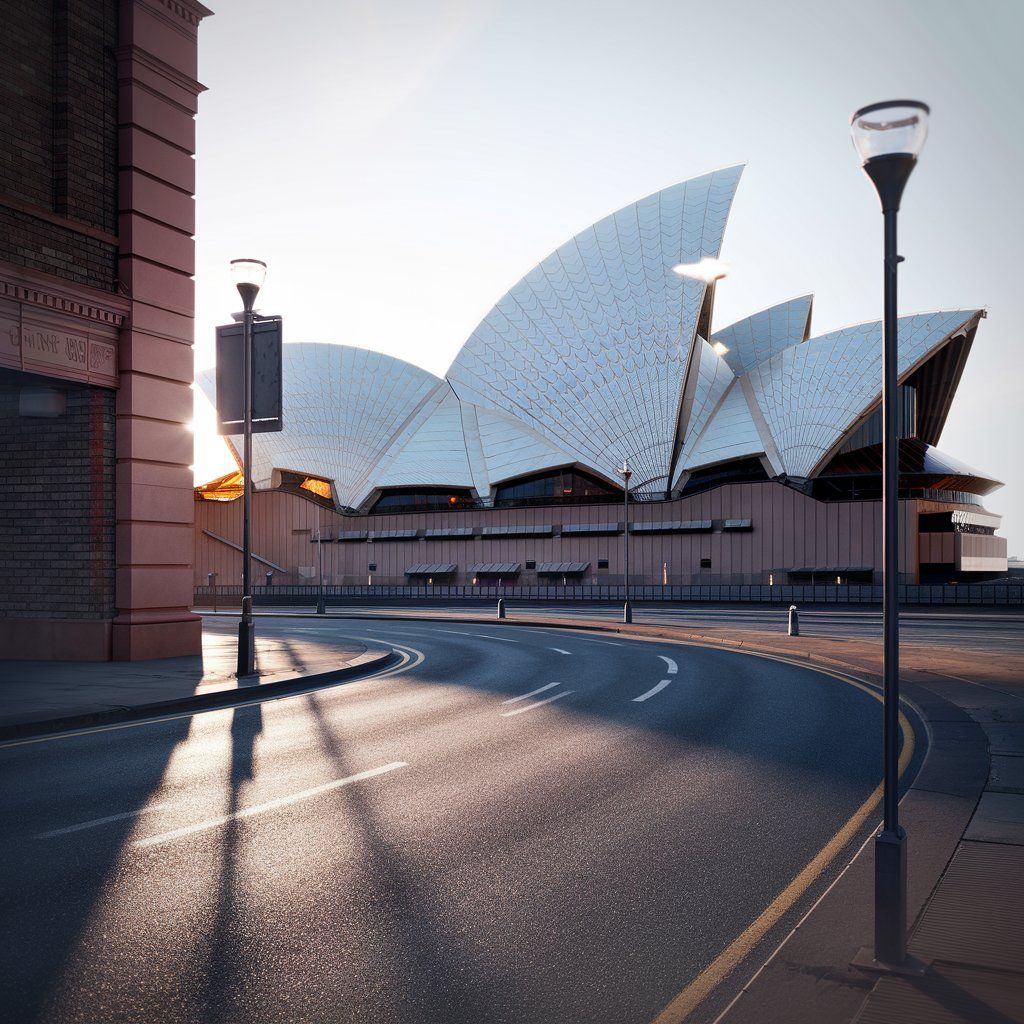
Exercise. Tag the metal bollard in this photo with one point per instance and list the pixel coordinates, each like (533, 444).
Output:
(210, 577)
(501, 607)
(794, 621)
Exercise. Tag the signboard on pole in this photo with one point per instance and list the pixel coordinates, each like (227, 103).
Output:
(266, 376)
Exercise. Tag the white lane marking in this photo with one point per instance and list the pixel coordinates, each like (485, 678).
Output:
(485, 636)
(270, 805)
(559, 650)
(530, 707)
(594, 640)
(672, 666)
(540, 689)
(96, 822)
(653, 690)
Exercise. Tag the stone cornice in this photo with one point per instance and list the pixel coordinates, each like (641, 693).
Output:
(188, 10)
(135, 54)
(75, 300)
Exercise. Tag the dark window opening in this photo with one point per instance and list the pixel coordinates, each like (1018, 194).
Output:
(372, 567)
(870, 431)
(740, 471)
(563, 486)
(423, 499)
(313, 488)
(602, 563)
(531, 565)
(705, 563)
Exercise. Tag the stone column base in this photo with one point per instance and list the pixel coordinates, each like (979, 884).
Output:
(139, 637)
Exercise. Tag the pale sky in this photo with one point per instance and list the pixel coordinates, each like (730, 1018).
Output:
(401, 165)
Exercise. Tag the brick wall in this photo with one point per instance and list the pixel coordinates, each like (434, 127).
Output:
(58, 138)
(57, 504)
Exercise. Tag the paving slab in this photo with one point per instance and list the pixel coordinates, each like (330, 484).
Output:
(44, 696)
(998, 819)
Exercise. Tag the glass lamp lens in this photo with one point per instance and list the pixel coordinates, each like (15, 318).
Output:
(249, 272)
(884, 129)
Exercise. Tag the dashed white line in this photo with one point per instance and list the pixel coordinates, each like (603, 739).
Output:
(652, 691)
(485, 636)
(672, 666)
(96, 822)
(537, 704)
(540, 689)
(559, 650)
(270, 805)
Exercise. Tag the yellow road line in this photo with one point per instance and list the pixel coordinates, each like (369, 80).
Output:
(730, 957)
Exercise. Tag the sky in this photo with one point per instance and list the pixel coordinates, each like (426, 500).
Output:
(400, 165)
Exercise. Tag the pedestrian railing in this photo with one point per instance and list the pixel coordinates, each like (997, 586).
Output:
(909, 594)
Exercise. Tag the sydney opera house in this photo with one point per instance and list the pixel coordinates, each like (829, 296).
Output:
(754, 447)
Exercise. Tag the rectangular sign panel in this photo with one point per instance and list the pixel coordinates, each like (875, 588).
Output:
(266, 377)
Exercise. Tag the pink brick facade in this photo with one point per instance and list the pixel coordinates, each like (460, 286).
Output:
(124, 326)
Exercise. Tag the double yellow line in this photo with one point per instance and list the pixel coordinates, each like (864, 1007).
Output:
(715, 973)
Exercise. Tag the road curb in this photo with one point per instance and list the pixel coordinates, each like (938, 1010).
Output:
(197, 702)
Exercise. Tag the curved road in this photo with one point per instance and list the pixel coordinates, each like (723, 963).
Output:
(515, 825)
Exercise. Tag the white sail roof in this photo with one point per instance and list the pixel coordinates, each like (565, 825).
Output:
(810, 394)
(590, 348)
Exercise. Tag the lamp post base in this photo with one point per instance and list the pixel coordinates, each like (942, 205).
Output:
(891, 897)
(321, 608)
(627, 612)
(246, 647)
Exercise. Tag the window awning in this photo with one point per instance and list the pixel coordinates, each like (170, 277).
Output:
(422, 569)
(563, 568)
(674, 526)
(738, 524)
(591, 528)
(517, 531)
(495, 569)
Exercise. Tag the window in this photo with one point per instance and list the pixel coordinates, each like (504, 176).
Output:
(423, 499)
(531, 565)
(372, 567)
(602, 563)
(705, 563)
(562, 485)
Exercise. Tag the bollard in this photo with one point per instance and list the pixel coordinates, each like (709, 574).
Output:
(501, 607)
(627, 612)
(794, 621)
(210, 577)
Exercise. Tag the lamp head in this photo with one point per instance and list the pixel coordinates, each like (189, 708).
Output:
(889, 138)
(248, 276)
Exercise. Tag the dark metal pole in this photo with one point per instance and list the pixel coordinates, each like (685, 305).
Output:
(627, 609)
(246, 634)
(320, 608)
(891, 842)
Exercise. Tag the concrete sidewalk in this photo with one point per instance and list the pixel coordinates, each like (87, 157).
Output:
(47, 696)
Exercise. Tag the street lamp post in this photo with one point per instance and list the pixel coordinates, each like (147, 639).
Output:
(627, 608)
(888, 137)
(248, 277)
(320, 608)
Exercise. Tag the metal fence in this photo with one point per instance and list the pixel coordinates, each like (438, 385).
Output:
(909, 594)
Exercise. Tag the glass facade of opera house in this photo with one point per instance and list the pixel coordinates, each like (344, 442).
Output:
(754, 447)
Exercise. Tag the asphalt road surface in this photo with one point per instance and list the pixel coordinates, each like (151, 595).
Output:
(531, 825)
(992, 628)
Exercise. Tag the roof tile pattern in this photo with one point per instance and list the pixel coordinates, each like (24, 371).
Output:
(763, 335)
(812, 393)
(590, 348)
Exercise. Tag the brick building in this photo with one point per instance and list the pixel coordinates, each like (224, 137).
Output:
(97, 137)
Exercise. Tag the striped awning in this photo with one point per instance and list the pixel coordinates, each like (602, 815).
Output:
(438, 569)
(563, 568)
(495, 569)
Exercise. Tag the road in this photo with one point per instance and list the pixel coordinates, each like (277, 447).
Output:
(524, 825)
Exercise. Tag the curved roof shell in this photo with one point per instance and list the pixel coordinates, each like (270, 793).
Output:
(590, 348)
(597, 356)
